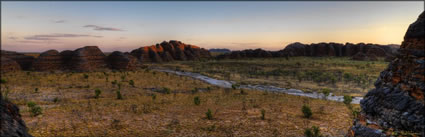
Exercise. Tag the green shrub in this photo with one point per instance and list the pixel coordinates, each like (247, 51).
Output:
(235, 86)
(166, 90)
(97, 93)
(35, 110)
(86, 76)
(119, 96)
(326, 92)
(195, 90)
(312, 132)
(153, 96)
(197, 100)
(36, 90)
(3, 81)
(306, 111)
(263, 114)
(347, 99)
(131, 82)
(209, 114)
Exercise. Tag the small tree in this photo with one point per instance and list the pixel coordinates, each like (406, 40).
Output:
(131, 82)
(86, 76)
(306, 111)
(312, 132)
(347, 99)
(197, 100)
(35, 110)
(209, 114)
(166, 90)
(36, 90)
(326, 92)
(97, 93)
(119, 96)
(263, 114)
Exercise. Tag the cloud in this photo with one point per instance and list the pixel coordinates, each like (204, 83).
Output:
(99, 28)
(59, 21)
(56, 36)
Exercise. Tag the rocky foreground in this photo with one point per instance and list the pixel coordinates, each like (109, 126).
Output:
(396, 106)
(91, 58)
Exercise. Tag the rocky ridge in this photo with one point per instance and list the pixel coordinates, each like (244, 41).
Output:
(395, 107)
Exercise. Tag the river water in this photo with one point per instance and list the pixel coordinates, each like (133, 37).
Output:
(228, 84)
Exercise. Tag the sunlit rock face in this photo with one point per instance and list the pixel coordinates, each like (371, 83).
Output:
(9, 65)
(170, 51)
(11, 124)
(24, 61)
(396, 106)
(48, 60)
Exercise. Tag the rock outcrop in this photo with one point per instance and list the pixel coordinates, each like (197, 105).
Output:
(395, 107)
(9, 65)
(364, 57)
(88, 58)
(249, 53)
(49, 60)
(24, 61)
(170, 51)
(122, 61)
(11, 124)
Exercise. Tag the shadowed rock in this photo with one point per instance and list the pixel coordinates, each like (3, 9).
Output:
(11, 124)
(396, 104)
(48, 60)
(122, 61)
(88, 58)
(364, 57)
(9, 65)
(24, 61)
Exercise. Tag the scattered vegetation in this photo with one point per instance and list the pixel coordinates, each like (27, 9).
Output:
(119, 96)
(97, 93)
(312, 132)
(209, 114)
(197, 100)
(34, 109)
(347, 99)
(306, 111)
(263, 114)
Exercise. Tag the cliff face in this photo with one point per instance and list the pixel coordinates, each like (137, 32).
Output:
(11, 124)
(396, 105)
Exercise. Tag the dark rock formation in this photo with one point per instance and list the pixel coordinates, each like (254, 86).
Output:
(249, 53)
(66, 56)
(9, 65)
(11, 124)
(23, 60)
(122, 61)
(88, 58)
(396, 105)
(219, 50)
(49, 60)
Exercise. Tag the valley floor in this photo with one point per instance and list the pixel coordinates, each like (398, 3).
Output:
(160, 104)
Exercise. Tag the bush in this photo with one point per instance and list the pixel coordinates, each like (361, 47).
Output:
(166, 90)
(235, 86)
(347, 99)
(3, 81)
(197, 100)
(263, 114)
(97, 93)
(153, 96)
(36, 90)
(312, 132)
(35, 110)
(131, 82)
(326, 92)
(306, 111)
(209, 114)
(119, 96)
(86, 76)
(195, 90)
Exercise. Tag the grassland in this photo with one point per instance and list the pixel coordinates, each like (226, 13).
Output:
(339, 74)
(161, 104)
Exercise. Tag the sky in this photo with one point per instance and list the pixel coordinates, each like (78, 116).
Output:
(123, 26)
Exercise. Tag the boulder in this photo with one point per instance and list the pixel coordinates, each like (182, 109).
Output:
(88, 58)
(364, 57)
(48, 60)
(9, 65)
(122, 61)
(295, 49)
(11, 123)
(24, 61)
(396, 104)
